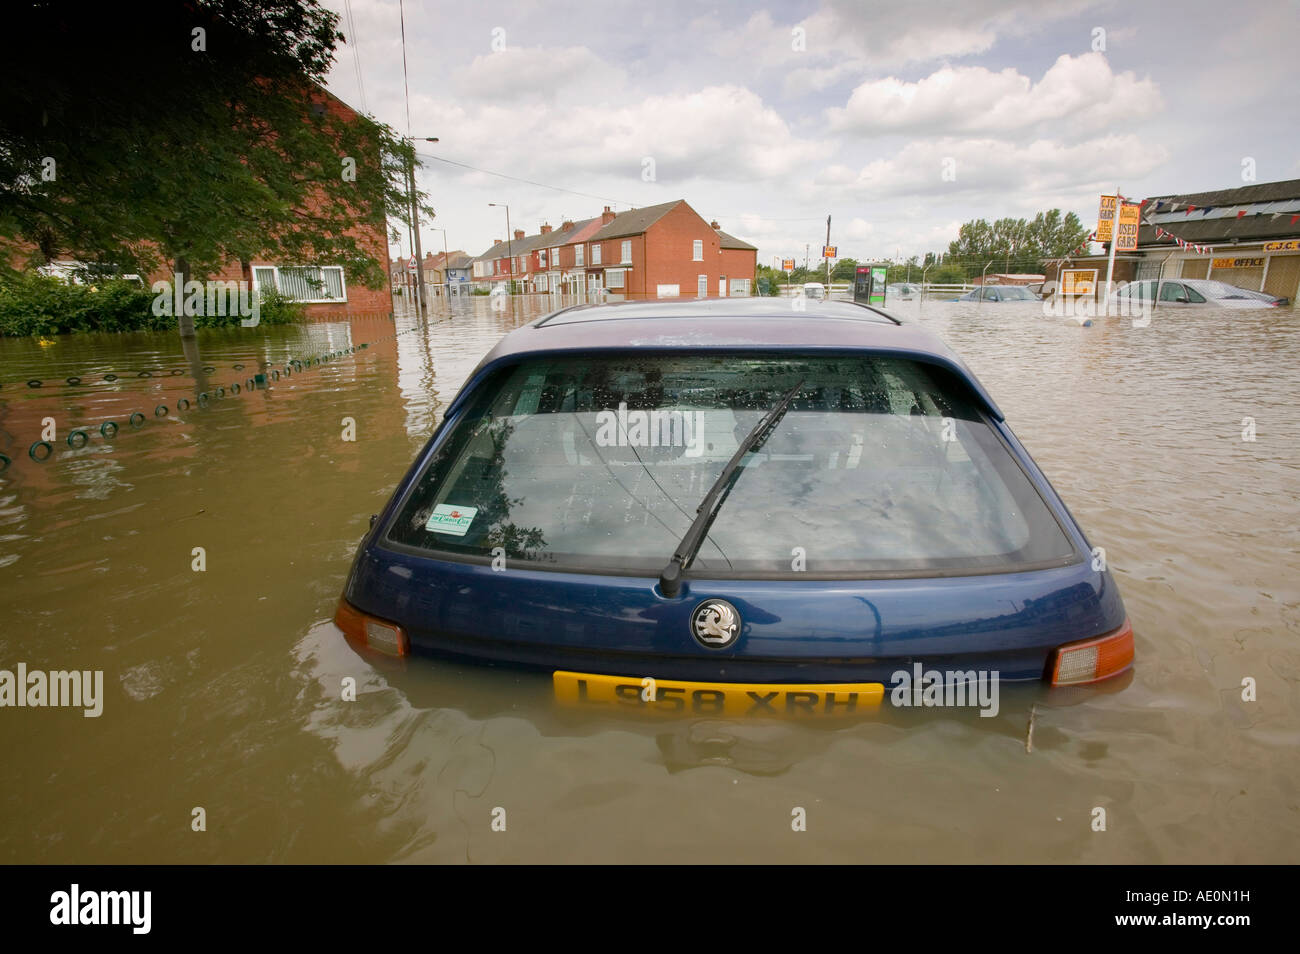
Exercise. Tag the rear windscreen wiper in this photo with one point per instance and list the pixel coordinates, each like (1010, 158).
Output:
(671, 578)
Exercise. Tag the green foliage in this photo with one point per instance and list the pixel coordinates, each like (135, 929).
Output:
(844, 270)
(768, 280)
(209, 150)
(33, 304)
(275, 309)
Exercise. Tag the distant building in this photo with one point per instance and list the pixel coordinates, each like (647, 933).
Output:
(1252, 234)
(1008, 278)
(661, 251)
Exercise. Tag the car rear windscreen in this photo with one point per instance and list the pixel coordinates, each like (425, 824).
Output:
(880, 465)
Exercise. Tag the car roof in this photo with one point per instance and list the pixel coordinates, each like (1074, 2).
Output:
(728, 324)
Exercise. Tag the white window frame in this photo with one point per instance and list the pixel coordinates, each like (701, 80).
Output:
(702, 286)
(595, 253)
(541, 259)
(626, 252)
(621, 275)
(697, 250)
(275, 270)
(579, 256)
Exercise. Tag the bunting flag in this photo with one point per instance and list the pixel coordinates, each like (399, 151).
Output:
(1190, 210)
(1294, 217)
(1240, 213)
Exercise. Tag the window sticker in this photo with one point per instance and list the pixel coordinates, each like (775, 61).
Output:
(451, 520)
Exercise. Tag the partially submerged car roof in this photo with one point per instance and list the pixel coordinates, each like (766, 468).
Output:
(729, 324)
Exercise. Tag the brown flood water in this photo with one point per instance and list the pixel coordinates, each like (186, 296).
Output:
(222, 687)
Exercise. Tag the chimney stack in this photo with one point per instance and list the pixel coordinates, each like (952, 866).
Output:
(606, 217)
(519, 235)
(546, 228)
(497, 241)
(566, 225)
(714, 224)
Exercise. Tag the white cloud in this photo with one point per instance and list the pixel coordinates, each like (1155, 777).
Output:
(720, 132)
(998, 169)
(523, 74)
(1080, 91)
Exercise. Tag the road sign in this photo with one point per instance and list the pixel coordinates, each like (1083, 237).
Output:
(1077, 281)
(410, 266)
(1105, 218)
(829, 251)
(1130, 216)
(787, 264)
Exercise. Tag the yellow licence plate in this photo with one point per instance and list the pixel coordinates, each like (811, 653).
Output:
(718, 698)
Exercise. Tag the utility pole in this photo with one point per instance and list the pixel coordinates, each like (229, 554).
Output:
(415, 222)
(827, 257)
(510, 249)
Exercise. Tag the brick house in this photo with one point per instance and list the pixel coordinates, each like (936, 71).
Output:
(661, 251)
(324, 289)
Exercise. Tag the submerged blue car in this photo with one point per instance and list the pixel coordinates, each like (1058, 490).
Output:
(729, 494)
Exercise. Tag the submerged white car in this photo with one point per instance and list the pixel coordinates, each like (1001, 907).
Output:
(1193, 291)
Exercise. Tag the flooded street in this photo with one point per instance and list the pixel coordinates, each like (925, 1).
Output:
(222, 688)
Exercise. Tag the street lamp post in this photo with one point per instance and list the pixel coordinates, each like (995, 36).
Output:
(510, 248)
(415, 222)
(445, 255)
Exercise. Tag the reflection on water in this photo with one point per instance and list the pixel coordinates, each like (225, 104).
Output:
(225, 687)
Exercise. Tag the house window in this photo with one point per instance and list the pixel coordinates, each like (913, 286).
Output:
(555, 258)
(627, 253)
(579, 255)
(595, 253)
(542, 256)
(702, 286)
(697, 250)
(614, 278)
(740, 288)
(303, 283)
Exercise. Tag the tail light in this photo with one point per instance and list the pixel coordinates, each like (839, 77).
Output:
(378, 634)
(1091, 660)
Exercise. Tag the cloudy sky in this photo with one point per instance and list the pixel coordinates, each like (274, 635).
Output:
(900, 120)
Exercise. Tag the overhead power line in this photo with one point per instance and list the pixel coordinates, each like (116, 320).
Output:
(533, 182)
(356, 54)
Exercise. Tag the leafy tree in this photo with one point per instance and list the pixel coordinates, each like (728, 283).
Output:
(844, 270)
(1018, 242)
(192, 132)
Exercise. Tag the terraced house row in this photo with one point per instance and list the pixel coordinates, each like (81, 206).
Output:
(660, 251)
